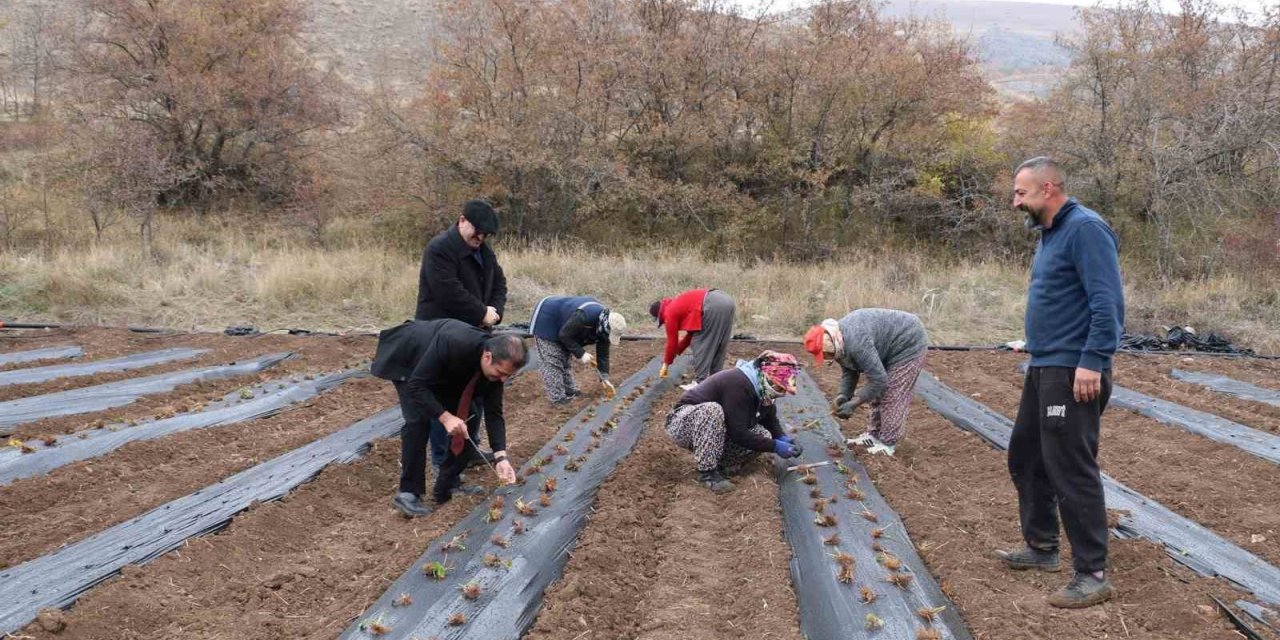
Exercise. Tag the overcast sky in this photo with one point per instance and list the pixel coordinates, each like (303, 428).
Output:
(1253, 6)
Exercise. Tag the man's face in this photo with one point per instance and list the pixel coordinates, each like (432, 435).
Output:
(469, 234)
(496, 371)
(1029, 196)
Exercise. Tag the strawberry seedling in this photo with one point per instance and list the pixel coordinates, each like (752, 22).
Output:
(525, 508)
(455, 544)
(825, 520)
(874, 622)
(493, 515)
(549, 485)
(808, 477)
(572, 465)
(499, 541)
(820, 506)
(929, 614)
(562, 450)
(517, 528)
(928, 634)
(869, 515)
(568, 437)
(402, 600)
(815, 493)
(470, 591)
(868, 596)
(435, 570)
(544, 500)
(492, 560)
(855, 494)
(457, 620)
(831, 540)
(375, 627)
(900, 580)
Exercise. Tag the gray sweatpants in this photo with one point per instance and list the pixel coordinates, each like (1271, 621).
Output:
(711, 344)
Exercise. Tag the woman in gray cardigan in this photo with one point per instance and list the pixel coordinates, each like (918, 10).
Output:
(888, 347)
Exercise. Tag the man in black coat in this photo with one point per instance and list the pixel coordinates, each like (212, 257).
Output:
(448, 375)
(460, 276)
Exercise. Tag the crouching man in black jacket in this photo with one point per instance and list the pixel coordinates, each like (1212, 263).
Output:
(448, 375)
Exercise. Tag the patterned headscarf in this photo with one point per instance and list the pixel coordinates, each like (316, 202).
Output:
(778, 373)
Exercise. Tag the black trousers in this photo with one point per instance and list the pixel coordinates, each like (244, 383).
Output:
(1053, 460)
(415, 435)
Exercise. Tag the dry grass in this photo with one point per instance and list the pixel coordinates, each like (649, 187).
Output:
(208, 275)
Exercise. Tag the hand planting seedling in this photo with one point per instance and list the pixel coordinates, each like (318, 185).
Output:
(831, 540)
(402, 600)
(874, 622)
(525, 508)
(499, 541)
(549, 485)
(435, 569)
(544, 500)
(825, 520)
(457, 620)
(470, 591)
(928, 614)
(868, 596)
(928, 634)
(900, 580)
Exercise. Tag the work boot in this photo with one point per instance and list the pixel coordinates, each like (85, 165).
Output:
(410, 505)
(714, 481)
(482, 459)
(1084, 590)
(1030, 558)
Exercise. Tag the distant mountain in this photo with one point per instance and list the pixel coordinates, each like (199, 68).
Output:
(1015, 40)
(388, 42)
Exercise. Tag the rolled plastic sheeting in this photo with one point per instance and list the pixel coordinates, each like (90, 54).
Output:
(1258, 443)
(58, 578)
(123, 392)
(1223, 384)
(1188, 543)
(231, 409)
(511, 597)
(78, 369)
(829, 608)
(49, 353)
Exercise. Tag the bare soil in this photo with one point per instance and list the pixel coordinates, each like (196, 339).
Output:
(661, 557)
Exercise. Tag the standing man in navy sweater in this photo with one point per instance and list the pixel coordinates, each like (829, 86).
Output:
(1074, 318)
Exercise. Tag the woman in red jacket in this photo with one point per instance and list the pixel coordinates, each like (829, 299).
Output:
(706, 317)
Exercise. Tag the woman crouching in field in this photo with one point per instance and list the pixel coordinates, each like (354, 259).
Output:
(730, 418)
(889, 347)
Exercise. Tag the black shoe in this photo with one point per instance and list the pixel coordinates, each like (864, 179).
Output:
(1029, 558)
(1084, 590)
(410, 505)
(714, 481)
(485, 458)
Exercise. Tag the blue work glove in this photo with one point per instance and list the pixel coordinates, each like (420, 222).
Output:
(787, 438)
(786, 449)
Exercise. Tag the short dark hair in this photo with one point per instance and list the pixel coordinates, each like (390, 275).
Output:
(1045, 164)
(508, 347)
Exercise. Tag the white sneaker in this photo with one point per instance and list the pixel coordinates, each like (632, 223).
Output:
(861, 441)
(880, 447)
(689, 386)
